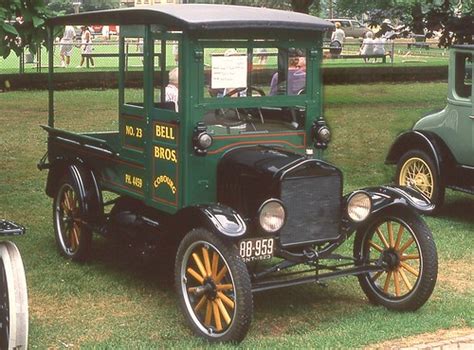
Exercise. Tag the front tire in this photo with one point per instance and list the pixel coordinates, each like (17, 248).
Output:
(399, 241)
(13, 299)
(416, 169)
(214, 287)
(73, 236)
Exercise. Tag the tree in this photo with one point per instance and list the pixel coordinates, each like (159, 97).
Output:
(21, 25)
(452, 17)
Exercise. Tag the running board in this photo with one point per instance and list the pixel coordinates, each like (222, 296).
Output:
(353, 271)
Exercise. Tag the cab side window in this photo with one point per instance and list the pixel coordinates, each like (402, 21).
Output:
(133, 71)
(463, 78)
(166, 76)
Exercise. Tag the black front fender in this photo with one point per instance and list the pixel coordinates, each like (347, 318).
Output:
(388, 196)
(218, 218)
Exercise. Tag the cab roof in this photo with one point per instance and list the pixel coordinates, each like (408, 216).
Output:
(201, 17)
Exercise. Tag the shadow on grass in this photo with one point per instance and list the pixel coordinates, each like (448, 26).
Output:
(157, 271)
(458, 207)
(153, 268)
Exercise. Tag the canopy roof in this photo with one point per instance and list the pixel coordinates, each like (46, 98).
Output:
(201, 17)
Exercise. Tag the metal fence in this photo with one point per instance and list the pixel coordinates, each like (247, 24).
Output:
(105, 56)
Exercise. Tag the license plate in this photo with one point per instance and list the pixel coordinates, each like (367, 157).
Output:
(256, 249)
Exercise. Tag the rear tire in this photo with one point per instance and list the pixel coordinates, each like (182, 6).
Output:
(13, 299)
(73, 237)
(417, 169)
(214, 287)
(399, 239)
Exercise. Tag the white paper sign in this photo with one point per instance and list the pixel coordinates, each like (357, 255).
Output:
(229, 72)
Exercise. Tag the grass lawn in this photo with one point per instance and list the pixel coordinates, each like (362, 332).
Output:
(119, 301)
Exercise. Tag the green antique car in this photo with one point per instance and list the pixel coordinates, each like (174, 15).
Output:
(439, 150)
(217, 160)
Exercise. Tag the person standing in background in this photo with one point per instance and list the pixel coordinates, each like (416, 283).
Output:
(338, 35)
(86, 47)
(66, 45)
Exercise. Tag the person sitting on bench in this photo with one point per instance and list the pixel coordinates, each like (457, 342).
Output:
(367, 48)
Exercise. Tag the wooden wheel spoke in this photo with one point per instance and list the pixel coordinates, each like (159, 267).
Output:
(207, 261)
(228, 301)
(409, 268)
(397, 283)
(387, 282)
(405, 279)
(215, 264)
(382, 238)
(221, 274)
(228, 286)
(223, 311)
(196, 275)
(200, 304)
(65, 204)
(199, 264)
(217, 316)
(208, 316)
(376, 246)
(76, 233)
(391, 239)
(377, 275)
(406, 245)
(409, 257)
(399, 236)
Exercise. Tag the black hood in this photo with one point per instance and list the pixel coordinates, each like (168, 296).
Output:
(248, 176)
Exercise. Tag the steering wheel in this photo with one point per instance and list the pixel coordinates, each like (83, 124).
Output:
(232, 117)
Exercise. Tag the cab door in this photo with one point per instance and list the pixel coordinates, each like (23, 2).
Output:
(460, 108)
(165, 120)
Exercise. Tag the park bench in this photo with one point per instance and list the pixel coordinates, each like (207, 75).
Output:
(382, 56)
(109, 55)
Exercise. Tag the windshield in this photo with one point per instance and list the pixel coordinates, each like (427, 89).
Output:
(233, 75)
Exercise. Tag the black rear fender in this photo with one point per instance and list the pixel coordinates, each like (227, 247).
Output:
(425, 141)
(85, 182)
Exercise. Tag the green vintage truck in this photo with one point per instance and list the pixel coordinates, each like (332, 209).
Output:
(439, 150)
(218, 159)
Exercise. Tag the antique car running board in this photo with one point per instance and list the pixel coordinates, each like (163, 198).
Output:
(267, 285)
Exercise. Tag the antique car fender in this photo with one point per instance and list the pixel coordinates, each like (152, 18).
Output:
(85, 181)
(426, 141)
(218, 218)
(383, 197)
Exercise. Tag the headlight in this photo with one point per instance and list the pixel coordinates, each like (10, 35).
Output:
(271, 215)
(359, 206)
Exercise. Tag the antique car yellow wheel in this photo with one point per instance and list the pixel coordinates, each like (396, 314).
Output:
(13, 299)
(399, 241)
(73, 237)
(214, 287)
(417, 170)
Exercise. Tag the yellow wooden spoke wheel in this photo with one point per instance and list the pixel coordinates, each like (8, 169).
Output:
(214, 287)
(417, 170)
(416, 173)
(73, 237)
(399, 242)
